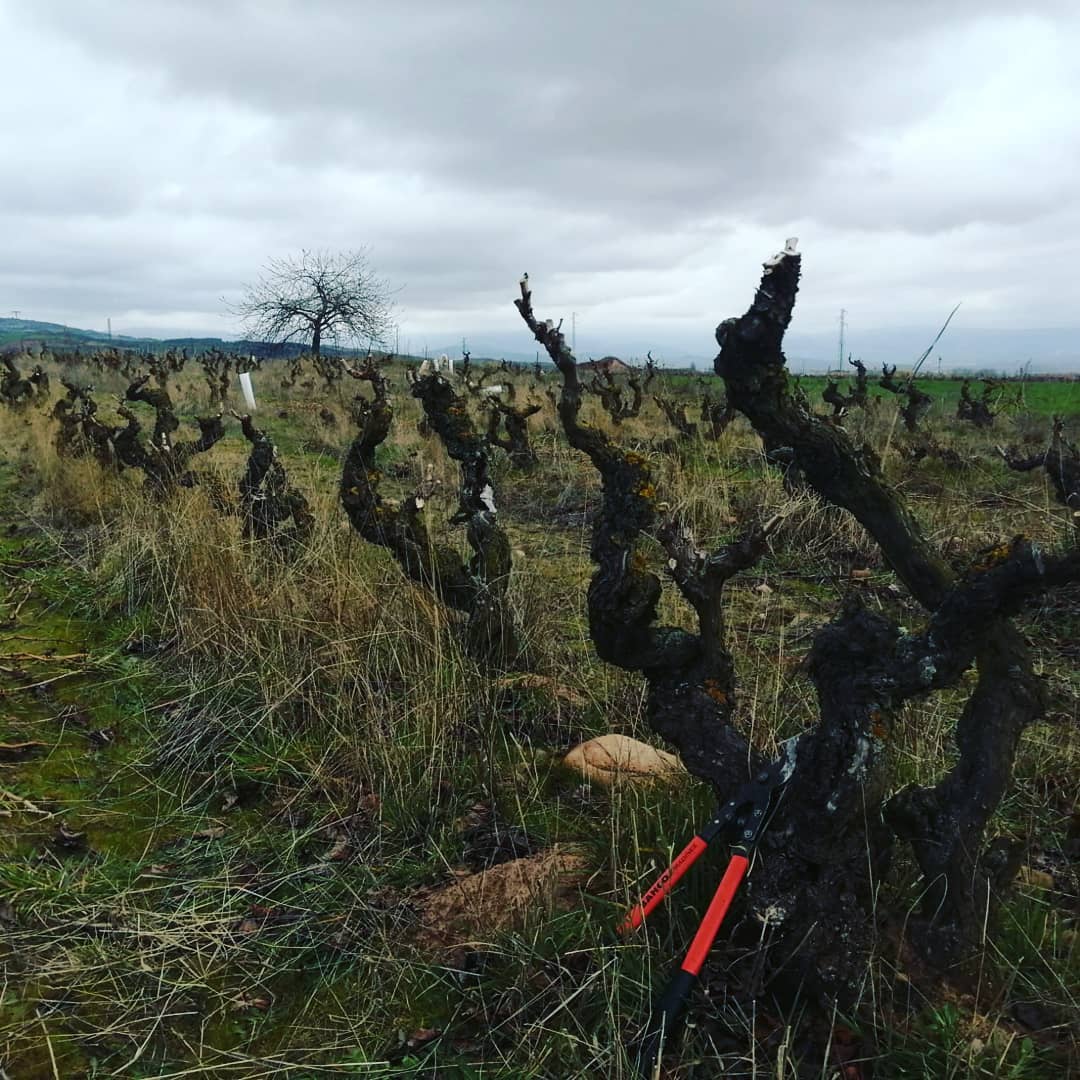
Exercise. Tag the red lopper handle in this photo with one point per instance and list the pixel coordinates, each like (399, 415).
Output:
(668, 1010)
(663, 885)
(718, 908)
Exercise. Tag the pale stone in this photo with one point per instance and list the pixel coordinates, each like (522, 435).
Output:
(617, 759)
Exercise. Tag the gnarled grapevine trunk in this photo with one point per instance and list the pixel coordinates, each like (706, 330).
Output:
(1061, 460)
(945, 824)
(274, 510)
(476, 587)
(809, 919)
(516, 443)
(164, 462)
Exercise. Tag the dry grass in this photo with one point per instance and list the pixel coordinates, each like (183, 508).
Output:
(296, 770)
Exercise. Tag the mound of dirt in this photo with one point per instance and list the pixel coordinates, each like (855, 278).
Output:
(478, 905)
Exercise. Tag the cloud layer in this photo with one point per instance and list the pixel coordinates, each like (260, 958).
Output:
(638, 160)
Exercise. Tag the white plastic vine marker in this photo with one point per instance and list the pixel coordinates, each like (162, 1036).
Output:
(248, 392)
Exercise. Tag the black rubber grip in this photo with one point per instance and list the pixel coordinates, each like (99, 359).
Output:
(664, 1021)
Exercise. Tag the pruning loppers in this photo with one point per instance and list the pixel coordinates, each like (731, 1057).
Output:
(742, 818)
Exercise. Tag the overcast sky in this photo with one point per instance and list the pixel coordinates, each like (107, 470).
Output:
(640, 160)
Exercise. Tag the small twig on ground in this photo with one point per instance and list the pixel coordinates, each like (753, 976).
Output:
(37, 685)
(23, 656)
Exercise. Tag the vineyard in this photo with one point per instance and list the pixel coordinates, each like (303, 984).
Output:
(292, 688)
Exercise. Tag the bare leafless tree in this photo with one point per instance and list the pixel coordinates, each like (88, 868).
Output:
(317, 297)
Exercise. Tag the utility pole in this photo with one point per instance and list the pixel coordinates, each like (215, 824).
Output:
(108, 322)
(840, 362)
(16, 314)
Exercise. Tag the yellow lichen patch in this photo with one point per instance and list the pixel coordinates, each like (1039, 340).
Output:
(878, 726)
(997, 555)
(647, 491)
(715, 691)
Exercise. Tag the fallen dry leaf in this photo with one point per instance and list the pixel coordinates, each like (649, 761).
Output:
(246, 1001)
(616, 759)
(1036, 879)
(340, 848)
(68, 839)
(846, 1051)
(421, 1037)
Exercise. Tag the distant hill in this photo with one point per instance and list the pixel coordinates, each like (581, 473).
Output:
(57, 336)
(17, 331)
(1046, 350)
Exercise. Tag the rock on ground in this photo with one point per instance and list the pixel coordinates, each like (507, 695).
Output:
(618, 759)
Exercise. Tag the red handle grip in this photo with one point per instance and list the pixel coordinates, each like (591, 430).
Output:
(718, 908)
(663, 885)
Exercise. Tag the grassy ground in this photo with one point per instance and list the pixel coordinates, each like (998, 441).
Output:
(254, 775)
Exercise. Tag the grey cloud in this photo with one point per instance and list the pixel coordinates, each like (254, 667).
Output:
(638, 160)
(652, 110)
